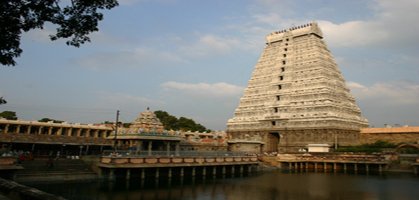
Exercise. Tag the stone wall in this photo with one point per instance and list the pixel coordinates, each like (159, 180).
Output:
(291, 140)
(294, 140)
(245, 147)
(394, 135)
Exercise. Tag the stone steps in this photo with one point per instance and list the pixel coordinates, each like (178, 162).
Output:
(58, 165)
(62, 169)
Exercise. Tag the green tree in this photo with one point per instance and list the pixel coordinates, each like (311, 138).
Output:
(186, 124)
(2, 101)
(169, 122)
(126, 125)
(49, 119)
(74, 19)
(173, 123)
(120, 124)
(377, 146)
(10, 115)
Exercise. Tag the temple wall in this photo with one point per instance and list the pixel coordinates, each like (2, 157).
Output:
(245, 147)
(294, 140)
(393, 135)
(390, 137)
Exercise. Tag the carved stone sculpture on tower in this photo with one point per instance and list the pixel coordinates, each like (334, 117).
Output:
(146, 121)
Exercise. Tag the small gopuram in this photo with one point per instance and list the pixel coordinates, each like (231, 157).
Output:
(146, 134)
(295, 97)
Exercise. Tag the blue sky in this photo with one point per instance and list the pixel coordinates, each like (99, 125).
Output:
(193, 58)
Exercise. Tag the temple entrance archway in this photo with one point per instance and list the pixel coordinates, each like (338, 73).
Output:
(273, 142)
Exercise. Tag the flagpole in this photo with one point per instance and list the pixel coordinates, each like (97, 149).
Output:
(116, 129)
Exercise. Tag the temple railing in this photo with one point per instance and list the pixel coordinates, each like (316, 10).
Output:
(183, 159)
(145, 153)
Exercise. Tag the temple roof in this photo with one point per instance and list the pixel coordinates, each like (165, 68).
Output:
(147, 118)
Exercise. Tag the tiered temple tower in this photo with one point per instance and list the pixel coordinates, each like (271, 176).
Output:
(295, 97)
(146, 121)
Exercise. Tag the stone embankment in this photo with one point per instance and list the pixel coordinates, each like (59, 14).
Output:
(343, 162)
(268, 162)
(12, 190)
(42, 169)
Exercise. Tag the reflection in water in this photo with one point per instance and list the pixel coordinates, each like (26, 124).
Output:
(270, 185)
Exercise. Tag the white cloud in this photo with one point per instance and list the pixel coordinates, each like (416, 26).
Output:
(140, 57)
(176, 51)
(394, 24)
(129, 105)
(388, 103)
(217, 43)
(393, 93)
(210, 104)
(353, 33)
(205, 89)
(356, 86)
(209, 45)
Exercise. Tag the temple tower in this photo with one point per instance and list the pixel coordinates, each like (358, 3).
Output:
(296, 96)
(146, 121)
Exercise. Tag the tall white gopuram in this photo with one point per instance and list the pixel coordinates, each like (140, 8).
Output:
(295, 97)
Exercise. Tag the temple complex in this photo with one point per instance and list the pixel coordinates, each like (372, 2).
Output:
(145, 134)
(148, 122)
(296, 96)
(42, 138)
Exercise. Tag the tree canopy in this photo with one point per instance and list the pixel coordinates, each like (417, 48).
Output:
(49, 120)
(75, 20)
(123, 124)
(173, 123)
(10, 115)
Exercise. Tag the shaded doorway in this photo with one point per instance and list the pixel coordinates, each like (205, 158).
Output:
(273, 142)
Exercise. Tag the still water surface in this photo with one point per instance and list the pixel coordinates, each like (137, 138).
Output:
(268, 185)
